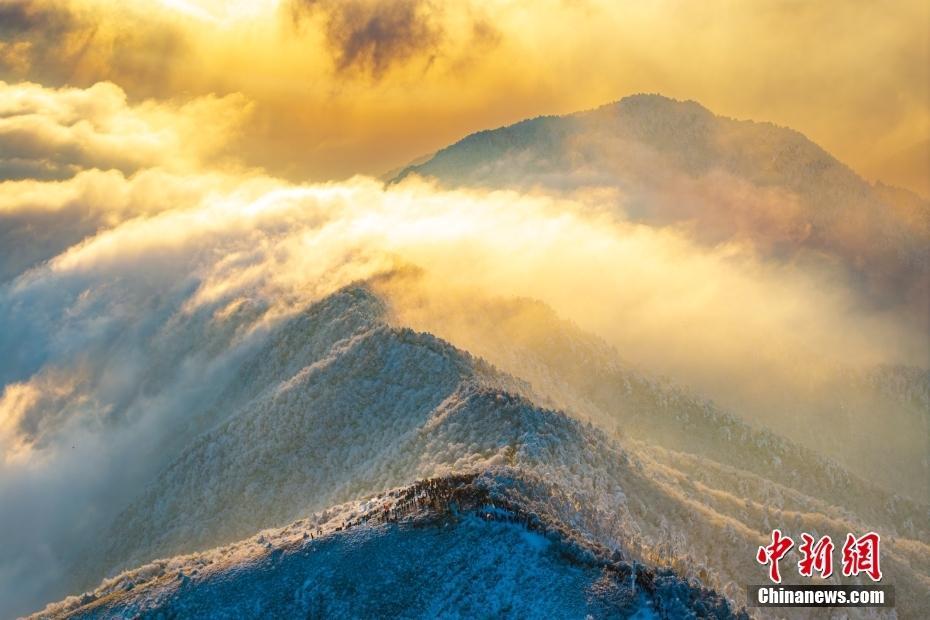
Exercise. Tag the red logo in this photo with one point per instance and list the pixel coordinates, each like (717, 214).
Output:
(774, 552)
(817, 556)
(860, 555)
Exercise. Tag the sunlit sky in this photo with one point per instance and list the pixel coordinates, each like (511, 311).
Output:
(333, 88)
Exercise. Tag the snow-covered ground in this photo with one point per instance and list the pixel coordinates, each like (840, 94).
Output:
(377, 406)
(453, 547)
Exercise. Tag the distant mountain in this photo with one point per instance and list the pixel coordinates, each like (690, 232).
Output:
(676, 163)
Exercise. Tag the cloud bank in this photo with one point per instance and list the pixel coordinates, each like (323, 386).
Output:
(55, 133)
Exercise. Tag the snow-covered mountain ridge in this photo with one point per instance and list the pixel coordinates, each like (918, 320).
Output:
(462, 545)
(344, 405)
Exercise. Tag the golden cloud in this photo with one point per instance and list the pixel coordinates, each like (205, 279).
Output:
(48, 133)
(362, 87)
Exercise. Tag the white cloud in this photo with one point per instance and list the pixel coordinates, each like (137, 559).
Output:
(49, 133)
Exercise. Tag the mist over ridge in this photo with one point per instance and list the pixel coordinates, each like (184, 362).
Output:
(612, 302)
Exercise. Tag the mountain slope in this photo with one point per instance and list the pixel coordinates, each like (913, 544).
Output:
(461, 546)
(580, 373)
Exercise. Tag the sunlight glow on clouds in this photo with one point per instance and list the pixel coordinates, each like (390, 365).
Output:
(54, 133)
(222, 11)
(363, 87)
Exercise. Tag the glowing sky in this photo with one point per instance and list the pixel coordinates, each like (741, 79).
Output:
(357, 86)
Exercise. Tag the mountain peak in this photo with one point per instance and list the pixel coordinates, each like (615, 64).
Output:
(656, 101)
